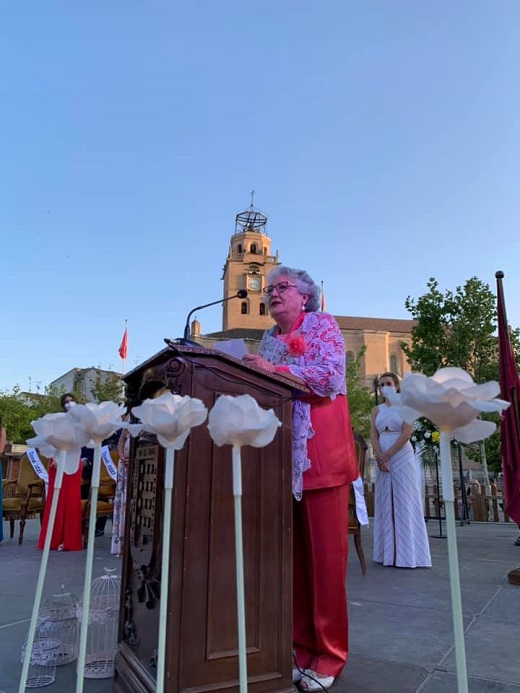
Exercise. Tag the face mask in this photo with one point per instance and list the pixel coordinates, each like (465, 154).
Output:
(68, 405)
(387, 390)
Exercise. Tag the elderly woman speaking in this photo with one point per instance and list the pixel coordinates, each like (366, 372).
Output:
(308, 344)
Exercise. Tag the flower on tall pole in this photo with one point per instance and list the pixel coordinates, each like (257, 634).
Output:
(96, 422)
(452, 401)
(239, 421)
(59, 438)
(171, 418)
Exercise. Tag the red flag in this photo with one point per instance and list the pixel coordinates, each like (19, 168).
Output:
(124, 344)
(510, 423)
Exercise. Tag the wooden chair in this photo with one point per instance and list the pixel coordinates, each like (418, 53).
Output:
(106, 495)
(354, 526)
(24, 497)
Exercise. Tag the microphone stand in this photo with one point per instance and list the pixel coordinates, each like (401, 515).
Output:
(185, 340)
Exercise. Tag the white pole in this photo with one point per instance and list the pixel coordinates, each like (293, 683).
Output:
(94, 489)
(169, 465)
(237, 493)
(485, 467)
(43, 570)
(453, 562)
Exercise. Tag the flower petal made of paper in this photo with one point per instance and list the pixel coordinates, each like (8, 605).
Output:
(134, 429)
(59, 431)
(72, 460)
(241, 421)
(475, 430)
(450, 398)
(170, 417)
(43, 446)
(98, 421)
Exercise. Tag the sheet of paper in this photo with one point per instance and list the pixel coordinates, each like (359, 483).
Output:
(232, 347)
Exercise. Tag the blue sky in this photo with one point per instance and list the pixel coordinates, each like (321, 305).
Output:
(384, 133)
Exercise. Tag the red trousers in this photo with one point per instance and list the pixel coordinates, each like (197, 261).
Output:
(320, 546)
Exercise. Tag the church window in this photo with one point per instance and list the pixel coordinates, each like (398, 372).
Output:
(262, 309)
(393, 364)
(253, 248)
(239, 248)
(243, 308)
(349, 356)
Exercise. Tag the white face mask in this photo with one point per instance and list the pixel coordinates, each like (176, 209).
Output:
(387, 390)
(68, 405)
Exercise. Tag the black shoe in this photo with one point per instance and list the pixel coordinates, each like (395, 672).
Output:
(517, 542)
(99, 532)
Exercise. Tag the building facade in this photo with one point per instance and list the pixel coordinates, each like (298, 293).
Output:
(82, 380)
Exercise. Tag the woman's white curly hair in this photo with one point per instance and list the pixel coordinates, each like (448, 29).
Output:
(304, 284)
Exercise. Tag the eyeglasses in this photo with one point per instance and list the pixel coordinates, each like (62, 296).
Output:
(281, 288)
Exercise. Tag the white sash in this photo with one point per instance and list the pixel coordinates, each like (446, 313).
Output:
(107, 461)
(359, 495)
(37, 465)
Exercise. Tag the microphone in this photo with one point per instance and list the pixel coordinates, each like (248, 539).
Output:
(242, 293)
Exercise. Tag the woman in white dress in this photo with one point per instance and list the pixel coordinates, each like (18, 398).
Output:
(400, 537)
(118, 520)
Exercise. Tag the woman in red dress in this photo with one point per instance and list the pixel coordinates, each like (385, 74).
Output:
(66, 533)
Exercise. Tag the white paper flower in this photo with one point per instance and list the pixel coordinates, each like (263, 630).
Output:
(57, 430)
(170, 417)
(97, 421)
(451, 400)
(57, 433)
(241, 421)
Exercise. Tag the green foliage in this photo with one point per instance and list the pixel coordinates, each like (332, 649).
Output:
(454, 329)
(109, 388)
(360, 400)
(458, 329)
(17, 410)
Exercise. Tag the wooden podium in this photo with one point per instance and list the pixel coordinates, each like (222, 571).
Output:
(202, 638)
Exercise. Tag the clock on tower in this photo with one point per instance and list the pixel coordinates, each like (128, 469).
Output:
(253, 283)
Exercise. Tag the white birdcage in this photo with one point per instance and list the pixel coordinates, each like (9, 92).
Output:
(59, 620)
(44, 657)
(103, 621)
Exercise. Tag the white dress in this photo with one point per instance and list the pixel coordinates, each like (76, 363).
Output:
(400, 537)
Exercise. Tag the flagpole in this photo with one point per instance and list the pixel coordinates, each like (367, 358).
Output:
(322, 299)
(510, 421)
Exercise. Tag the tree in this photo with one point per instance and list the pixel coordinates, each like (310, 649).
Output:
(454, 329)
(457, 329)
(360, 400)
(18, 409)
(108, 388)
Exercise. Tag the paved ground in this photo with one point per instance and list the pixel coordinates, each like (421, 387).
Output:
(400, 620)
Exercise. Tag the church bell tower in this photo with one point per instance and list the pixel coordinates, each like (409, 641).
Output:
(248, 263)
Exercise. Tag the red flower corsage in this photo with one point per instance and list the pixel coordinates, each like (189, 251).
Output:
(296, 345)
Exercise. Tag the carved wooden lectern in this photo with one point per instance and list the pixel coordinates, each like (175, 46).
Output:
(202, 639)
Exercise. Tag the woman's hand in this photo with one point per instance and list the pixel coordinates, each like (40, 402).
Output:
(383, 462)
(259, 362)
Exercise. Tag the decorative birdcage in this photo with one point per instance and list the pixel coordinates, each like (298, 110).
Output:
(44, 658)
(103, 620)
(59, 620)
